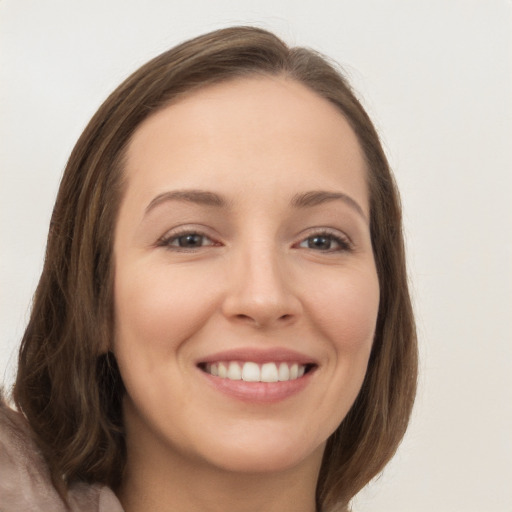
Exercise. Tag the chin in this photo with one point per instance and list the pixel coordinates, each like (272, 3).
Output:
(273, 454)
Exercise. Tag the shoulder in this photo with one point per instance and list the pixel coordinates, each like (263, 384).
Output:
(26, 483)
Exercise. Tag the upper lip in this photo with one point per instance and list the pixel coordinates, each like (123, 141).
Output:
(259, 355)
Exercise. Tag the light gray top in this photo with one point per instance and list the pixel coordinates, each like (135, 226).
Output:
(25, 482)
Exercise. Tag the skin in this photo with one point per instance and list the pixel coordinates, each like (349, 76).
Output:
(256, 279)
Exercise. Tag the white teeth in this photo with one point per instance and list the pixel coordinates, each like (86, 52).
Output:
(254, 372)
(223, 370)
(234, 372)
(269, 372)
(251, 372)
(284, 372)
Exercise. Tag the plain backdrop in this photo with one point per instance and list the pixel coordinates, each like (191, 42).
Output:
(436, 77)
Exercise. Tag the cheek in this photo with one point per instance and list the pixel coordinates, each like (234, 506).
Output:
(156, 309)
(347, 308)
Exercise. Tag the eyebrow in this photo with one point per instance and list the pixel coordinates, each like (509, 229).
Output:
(299, 201)
(317, 197)
(201, 197)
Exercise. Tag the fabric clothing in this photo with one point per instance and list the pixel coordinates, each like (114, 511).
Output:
(25, 483)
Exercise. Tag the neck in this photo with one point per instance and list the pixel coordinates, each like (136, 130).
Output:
(157, 482)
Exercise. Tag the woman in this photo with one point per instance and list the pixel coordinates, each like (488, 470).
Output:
(223, 319)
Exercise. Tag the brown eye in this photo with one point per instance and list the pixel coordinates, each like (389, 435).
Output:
(185, 240)
(190, 240)
(325, 242)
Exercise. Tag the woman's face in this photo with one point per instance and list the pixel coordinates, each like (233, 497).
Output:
(246, 293)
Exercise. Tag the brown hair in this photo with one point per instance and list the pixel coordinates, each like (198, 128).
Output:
(72, 397)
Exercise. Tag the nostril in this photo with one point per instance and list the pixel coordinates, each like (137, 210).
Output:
(261, 320)
(243, 317)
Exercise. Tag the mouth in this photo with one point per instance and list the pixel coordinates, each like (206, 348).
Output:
(258, 376)
(250, 371)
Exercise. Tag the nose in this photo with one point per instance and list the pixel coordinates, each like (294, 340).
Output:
(260, 291)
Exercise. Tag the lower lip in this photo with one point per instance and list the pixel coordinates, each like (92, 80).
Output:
(259, 392)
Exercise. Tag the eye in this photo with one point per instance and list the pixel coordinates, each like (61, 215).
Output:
(326, 242)
(185, 240)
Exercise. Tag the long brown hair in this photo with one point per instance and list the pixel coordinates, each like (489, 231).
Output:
(70, 390)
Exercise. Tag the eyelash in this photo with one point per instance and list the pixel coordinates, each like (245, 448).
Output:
(343, 242)
(167, 241)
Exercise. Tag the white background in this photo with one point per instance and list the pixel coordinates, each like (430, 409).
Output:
(436, 78)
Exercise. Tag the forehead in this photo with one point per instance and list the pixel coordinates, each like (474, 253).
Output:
(258, 129)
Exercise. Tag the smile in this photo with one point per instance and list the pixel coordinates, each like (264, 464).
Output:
(253, 372)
